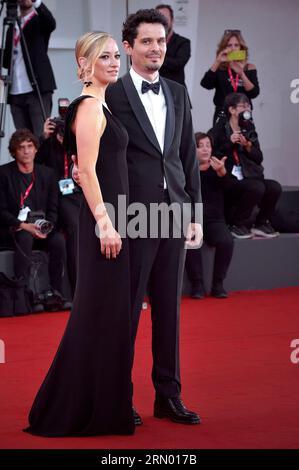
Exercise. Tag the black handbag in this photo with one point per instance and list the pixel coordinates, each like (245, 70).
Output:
(15, 298)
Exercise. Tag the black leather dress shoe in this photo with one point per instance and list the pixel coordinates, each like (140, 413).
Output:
(137, 418)
(175, 410)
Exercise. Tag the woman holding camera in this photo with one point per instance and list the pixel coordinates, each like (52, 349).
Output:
(229, 75)
(246, 187)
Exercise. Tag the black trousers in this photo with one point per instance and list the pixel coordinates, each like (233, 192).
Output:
(54, 244)
(218, 235)
(26, 111)
(68, 214)
(241, 196)
(159, 263)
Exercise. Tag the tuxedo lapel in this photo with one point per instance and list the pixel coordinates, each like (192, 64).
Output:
(139, 110)
(170, 116)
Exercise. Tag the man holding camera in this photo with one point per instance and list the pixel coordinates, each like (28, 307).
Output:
(28, 209)
(37, 23)
(52, 154)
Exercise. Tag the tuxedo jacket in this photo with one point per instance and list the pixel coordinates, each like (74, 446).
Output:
(37, 34)
(46, 193)
(177, 55)
(147, 164)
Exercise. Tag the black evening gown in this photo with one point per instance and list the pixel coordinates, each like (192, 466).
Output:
(87, 390)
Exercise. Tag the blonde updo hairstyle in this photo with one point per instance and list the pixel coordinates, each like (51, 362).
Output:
(90, 46)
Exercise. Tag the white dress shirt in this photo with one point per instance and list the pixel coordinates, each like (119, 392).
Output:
(20, 80)
(154, 105)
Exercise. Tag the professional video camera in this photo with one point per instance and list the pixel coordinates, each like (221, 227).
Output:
(38, 219)
(247, 127)
(11, 9)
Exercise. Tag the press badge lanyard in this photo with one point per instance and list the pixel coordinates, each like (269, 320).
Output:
(234, 82)
(27, 192)
(17, 34)
(66, 166)
(236, 157)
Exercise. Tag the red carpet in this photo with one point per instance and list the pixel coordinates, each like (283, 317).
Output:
(236, 371)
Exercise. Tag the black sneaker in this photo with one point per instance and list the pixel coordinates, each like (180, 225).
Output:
(218, 291)
(240, 231)
(197, 291)
(264, 230)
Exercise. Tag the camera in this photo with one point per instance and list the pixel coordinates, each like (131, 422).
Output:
(247, 127)
(11, 9)
(38, 219)
(59, 126)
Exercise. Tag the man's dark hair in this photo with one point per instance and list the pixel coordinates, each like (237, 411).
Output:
(233, 99)
(168, 7)
(20, 136)
(130, 26)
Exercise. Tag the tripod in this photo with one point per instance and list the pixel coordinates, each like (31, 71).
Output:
(10, 21)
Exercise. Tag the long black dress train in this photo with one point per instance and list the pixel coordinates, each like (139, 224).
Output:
(87, 390)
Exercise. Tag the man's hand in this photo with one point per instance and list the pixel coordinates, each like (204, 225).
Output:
(31, 228)
(194, 236)
(49, 128)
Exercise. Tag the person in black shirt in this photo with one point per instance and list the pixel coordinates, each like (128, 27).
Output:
(216, 232)
(52, 154)
(24, 187)
(235, 76)
(178, 50)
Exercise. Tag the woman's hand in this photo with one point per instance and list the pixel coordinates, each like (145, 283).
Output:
(222, 56)
(218, 165)
(238, 66)
(110, 239)
(236, 137)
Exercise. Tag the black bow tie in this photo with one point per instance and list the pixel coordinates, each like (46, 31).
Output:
(155, 87)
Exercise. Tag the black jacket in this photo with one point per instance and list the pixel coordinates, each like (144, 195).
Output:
(147, 165)
(37, 34)
(220, 81)
(177, 55)
(46, 193)
(251, 162)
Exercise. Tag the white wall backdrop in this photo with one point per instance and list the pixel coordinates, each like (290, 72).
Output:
(272, 34)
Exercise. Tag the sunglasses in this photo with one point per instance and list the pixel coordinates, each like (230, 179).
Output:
(229, 31)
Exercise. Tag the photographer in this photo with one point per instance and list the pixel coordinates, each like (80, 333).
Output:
(28, 191)
(227, 75)
(51, 153)
(37, 24)
(246, 187)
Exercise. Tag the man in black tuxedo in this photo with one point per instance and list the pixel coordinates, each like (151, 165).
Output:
(178, 49)
(26, 186)
(37, 24)
(162, 167)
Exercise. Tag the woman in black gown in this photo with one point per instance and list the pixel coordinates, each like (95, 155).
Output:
(87, 390)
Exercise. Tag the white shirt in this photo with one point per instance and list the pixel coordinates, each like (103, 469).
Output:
(20, 80)
(154, 105)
